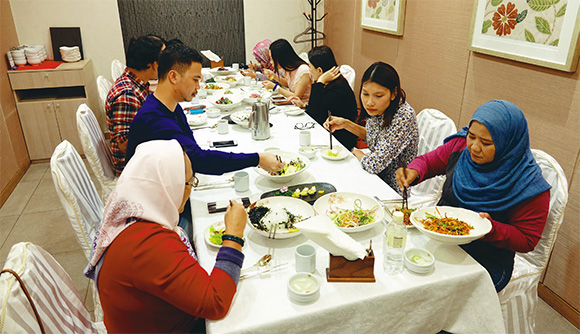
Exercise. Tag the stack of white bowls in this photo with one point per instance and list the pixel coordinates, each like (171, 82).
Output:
(35, 54)
(18, 56)
(70, 54)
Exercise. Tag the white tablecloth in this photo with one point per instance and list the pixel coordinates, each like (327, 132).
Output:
(457, 296)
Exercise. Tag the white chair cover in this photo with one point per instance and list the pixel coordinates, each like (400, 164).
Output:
(59, 305)
(519, 298)
(349, 73)
(117, 68)
(80, 200)
(104, 86)
(434, 126)
(96, 149)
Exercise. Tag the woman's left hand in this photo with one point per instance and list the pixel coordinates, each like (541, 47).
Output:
(329, 75)
(268, 84)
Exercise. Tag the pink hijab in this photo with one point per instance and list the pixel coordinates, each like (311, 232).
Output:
(150, 188)
(262, 53)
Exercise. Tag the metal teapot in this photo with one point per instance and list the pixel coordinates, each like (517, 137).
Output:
(260, 120)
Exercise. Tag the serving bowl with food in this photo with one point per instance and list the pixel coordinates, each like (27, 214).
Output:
(225, 101)
(217, 71)
(450, 225)
(351, 212)
(294, 165)
(255, 95)
(406, 213)
(212, 87)
(231, 80)
(241, 118)
(280, 213)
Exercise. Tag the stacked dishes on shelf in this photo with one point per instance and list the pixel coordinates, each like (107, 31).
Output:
(70, 54)
(35, 54)
(18, 56)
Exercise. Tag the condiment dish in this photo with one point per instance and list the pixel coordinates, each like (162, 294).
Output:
(419, 260)
(303, 288)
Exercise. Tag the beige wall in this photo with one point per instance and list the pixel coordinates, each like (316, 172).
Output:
(268, 19)
(438, 71)
(98, 20)
(13, 153)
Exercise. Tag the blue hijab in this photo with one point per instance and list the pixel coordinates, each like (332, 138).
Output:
(513, 176)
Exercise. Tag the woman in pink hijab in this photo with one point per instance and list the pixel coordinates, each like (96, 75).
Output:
(262, 54)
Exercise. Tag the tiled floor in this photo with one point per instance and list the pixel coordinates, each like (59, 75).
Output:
(33, 213)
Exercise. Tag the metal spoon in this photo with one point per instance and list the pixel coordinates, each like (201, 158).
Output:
(262, 262)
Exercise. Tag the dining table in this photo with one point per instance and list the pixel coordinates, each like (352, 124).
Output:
(457, 295)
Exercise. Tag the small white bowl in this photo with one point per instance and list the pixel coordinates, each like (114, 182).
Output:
(419, 260)
(303, 288)
(308, 152)
(213, 112)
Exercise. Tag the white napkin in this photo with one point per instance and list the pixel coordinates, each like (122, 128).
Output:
(325, 233)
(210, 55)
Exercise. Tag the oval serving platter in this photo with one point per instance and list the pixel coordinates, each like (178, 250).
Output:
(326, 187)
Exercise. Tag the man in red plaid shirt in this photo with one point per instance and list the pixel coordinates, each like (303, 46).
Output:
(130, 91)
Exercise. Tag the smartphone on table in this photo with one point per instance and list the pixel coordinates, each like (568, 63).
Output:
(224, 143)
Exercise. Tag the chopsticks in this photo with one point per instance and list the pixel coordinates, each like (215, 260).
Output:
(330, 128)
(405, 204)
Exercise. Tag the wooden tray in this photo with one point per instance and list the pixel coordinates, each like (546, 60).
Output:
(327, 187)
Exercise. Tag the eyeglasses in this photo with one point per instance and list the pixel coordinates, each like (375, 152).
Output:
(192, 182)
(304, 126)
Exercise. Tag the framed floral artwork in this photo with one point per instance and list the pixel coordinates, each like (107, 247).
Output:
(383, 15)
(540, 32)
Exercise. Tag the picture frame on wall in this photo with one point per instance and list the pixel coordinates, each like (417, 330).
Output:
(386, 16)
(539, 32)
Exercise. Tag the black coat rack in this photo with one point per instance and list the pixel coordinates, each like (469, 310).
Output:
(313, 34)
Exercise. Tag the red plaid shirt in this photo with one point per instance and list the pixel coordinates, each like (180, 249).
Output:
(123, 101)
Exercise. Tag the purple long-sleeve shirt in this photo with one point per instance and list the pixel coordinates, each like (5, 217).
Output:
(154, 121)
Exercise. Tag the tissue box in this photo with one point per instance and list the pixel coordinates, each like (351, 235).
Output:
(215, 60)
(343, 270)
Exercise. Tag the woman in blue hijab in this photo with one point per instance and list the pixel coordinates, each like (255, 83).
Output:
(490, 169)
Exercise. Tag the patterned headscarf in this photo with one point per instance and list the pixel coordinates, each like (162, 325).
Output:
(150, 188)
(513, 176)
(262, 53)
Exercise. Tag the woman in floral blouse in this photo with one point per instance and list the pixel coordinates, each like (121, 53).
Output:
(391, 125)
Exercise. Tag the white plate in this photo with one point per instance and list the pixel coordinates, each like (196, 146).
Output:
(286, 157)
(231, 80)
(342, 153)
(277, 204)
(481, 226)
(217, 226)
(346, 200)
(228, 70)
(391, 207)
(218, 87)
(263, 95)
(197, 119)
(241, 118)
(235, 98)
(293, 111)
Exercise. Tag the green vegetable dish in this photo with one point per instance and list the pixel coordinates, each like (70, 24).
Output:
(215, 235)
(292, 167)
(352, 218)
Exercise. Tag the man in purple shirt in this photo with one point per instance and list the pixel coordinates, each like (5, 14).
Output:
(161, 117)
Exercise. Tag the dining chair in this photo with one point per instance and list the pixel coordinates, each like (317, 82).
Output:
(349, 73)
(104, 86)
(97, 150)
(80, 200)
(519, 298)
(117, 68)
(434, 126)
(38, 295)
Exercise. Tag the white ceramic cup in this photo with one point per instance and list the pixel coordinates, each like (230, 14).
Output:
(305, 259)
(201, 94)
(241, 181)
(247, 81)
(304, 138)
(236, 66)
(222, 126)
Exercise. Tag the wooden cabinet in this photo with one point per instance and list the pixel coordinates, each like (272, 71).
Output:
(47, 101)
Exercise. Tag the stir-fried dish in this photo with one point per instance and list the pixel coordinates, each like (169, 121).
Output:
(445, 225)
(352, 218)
(406, 214)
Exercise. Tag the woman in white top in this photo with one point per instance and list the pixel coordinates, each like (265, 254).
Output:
(296, 80)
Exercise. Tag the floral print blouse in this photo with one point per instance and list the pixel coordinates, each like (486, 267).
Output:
(392, 146)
